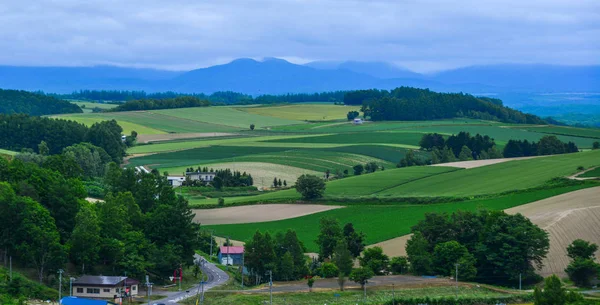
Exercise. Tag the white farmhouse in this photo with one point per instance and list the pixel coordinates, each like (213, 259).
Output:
(204, 176)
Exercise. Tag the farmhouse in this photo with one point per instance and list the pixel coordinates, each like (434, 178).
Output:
(106, 287)
(231, 255)
(175, 181)
(204, 176)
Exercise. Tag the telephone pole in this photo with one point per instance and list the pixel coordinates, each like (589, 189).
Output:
(243, 252)
(211, 242)
(519, 281)
(60, 272)
(271, 287)
(456, 281)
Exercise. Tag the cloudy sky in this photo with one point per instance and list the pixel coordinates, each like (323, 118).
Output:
(423, 35)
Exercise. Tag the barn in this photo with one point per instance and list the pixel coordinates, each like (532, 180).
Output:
(231, 255)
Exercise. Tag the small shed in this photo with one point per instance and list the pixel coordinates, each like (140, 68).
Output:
(175, 181)
(357, 121)
(231, 255)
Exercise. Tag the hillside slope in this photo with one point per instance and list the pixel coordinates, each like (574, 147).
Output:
(15, 101)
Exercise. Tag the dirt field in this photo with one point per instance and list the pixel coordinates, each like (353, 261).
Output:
(393, 247)
(258, 213)
(566, 217)
(480, 163)
(147, 138)
(263, 173)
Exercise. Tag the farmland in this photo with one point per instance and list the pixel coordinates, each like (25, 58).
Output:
(591, 173)
(88, 106)
(381, 222)
(316, 112)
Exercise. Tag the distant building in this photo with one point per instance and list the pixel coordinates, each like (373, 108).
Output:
(357, 121)
(175, 181)
(104, 287)
(231, 255)
(123, 138)
(204, 176)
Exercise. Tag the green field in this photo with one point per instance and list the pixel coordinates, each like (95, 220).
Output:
(569, 131)
(344, 127)
(406, 139)
(304, 112)
(593, 173)
(90, 119)
(227, 116)
(7, 152)
(381, 222)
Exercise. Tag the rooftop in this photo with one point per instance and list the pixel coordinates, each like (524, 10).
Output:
(100, 280)
(232, 249)
(200, 173)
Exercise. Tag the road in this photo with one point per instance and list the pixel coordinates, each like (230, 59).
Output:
(215, 275)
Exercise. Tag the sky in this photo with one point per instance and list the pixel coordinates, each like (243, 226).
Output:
(421, 35)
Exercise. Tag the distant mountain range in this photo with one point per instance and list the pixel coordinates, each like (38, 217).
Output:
(277, 76)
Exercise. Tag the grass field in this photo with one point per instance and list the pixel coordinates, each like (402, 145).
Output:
(90, 119)
(563, 130)
(344, 127)
(7, 152)
(380, 222)
(227, 116)
(304, 112)
(589, 174)
(408, 139)
(498, 178)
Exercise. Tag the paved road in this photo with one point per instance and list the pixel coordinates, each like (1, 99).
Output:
(215, 275)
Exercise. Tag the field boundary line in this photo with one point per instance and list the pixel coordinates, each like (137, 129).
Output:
(387, 188)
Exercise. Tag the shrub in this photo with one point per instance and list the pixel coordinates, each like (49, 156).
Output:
(221, 201)
(329, 270)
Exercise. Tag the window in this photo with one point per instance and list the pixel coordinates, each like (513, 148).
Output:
(79, 290)
(93, 290)
(106, 290)
(133, 287)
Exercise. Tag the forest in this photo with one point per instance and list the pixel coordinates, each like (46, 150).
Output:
(169, 103)
(412, 104)
(17, 101)
(22, 132)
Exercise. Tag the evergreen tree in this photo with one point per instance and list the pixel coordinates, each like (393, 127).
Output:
(329, 234)
(84, 243)
(465, 154)
(342, 257)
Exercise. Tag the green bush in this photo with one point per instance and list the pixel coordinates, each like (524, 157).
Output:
(328, 270)
(462, 301)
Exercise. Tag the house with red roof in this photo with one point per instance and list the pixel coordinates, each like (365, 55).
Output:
(231, 255)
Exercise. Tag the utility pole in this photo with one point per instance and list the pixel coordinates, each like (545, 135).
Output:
(202, 285)
(271, 286)
(60, 272)
(456, 281)
(243, 252)
(228, 241)
(149, 285)
(519, 281)
(71, 279)
(180, 276)
(211, 242)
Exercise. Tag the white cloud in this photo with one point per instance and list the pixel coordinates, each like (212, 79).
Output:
(423, 35)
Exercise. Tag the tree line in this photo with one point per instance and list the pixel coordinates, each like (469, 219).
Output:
(412, 104)
(220, 97)
(547, 145)
(20, 131)
(152, 104)
(18, 101)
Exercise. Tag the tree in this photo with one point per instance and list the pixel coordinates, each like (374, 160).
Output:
(284, 183)
(355, 240)
(286, 267)
(581, 249)
(84, 243)
(43, 148)
(552, 294)
(329, 233)
(39, 241)
(342, 257)
(279, 183)
(275, 182)
(361, 276)
(418, 254)
(310, 283)
(352, 115)
(329, 270)
(582, 271)
(465, 154)
(217, 183)
(374, 259)
(310, 187)
(399, 265)
(358, 169)
(252, 126)
(596, 145)
(341, 280)
(446, 255)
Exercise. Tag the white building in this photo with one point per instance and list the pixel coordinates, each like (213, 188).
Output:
(357, 121)
(204, 176)
(175, 181)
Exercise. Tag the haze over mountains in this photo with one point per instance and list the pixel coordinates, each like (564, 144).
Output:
(277, 76)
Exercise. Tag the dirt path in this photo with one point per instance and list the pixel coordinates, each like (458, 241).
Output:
(258, 213)
(574, 176)
(566, 217)
(480, 163)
